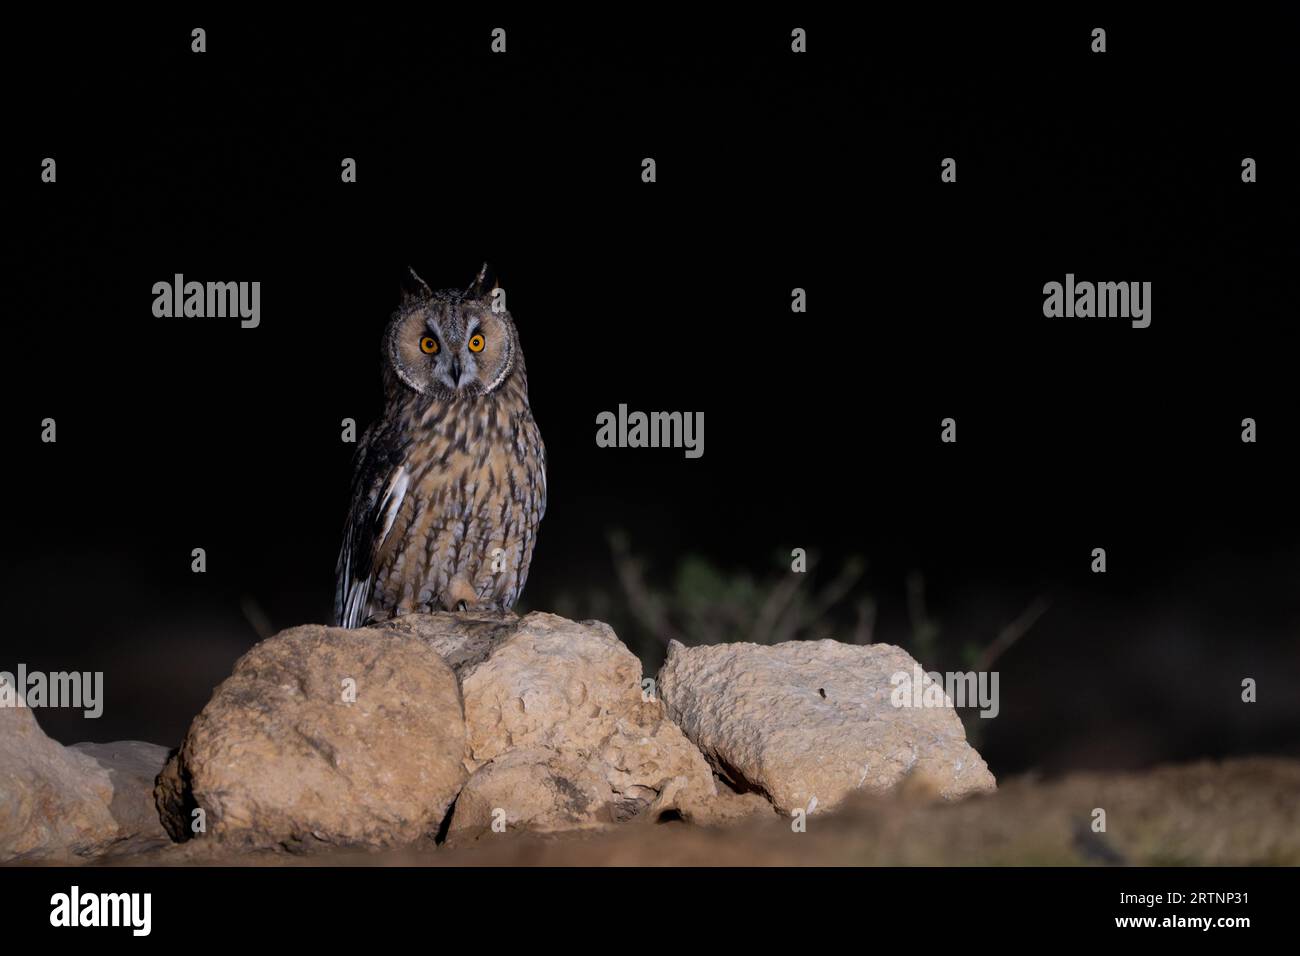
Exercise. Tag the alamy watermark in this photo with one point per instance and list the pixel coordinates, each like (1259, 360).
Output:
(1099, 300)
(208, 300)
(918, 688)
(75, 689)
(651, 430)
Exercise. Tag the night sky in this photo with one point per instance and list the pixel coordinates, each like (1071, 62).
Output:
(775, 171)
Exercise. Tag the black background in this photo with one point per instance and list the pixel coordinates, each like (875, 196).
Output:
(822, 430)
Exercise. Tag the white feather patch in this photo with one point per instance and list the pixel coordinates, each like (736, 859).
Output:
(356, 603)
(392, 502)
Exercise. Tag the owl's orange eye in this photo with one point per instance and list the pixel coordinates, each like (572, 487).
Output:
(429, 345)
(476, 343)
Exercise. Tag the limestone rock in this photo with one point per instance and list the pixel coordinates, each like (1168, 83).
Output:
(560, 734)
(62, 804)
(281, 757)
(54, 801)
(537, 789)
(132, 767)
(462, 639)
(814, 719)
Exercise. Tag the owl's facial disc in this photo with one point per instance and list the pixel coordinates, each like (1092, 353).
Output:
(453, 349)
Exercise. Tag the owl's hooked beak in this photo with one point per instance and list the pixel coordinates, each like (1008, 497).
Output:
(455, 373)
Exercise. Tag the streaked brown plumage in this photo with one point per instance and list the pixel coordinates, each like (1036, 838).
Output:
(449, 485)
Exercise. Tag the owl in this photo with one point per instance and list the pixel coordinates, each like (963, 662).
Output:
(449, 485)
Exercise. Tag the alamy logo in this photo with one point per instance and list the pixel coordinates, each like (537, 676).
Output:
(653, 430)
(103, 909)
(1100, 300)
(954, 689)
(208, 300)
(59, 689)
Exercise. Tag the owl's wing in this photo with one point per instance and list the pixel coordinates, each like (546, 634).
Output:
(541, 476)
(379, 484)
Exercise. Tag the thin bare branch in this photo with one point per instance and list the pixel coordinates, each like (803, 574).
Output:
(1013, 632)
(778, 600)
(639, 597)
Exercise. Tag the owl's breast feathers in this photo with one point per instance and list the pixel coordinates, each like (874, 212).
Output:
(447, 498)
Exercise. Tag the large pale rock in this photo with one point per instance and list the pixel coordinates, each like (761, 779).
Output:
(538, 789)
(281, 757)
(133, 767)
(561, 735)
(66, 803)
(463, 639)
(53, 801)
(813, 719)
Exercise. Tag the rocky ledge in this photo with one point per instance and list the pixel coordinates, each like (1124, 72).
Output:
(440, 729)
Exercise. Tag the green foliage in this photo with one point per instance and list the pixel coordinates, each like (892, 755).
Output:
(707, 604)
(699, 602)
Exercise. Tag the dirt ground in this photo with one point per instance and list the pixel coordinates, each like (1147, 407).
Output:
(1238, 812)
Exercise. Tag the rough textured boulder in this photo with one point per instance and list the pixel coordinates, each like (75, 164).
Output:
(813, 719)
(464, 639)
(281, 756)
(541, 790)
(560, 733)
(66, 803)
(467, 724)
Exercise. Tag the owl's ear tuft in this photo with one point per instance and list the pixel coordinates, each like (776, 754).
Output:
(414, 288)
(483, 283)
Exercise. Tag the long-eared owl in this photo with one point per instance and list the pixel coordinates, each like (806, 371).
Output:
(449, 485)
